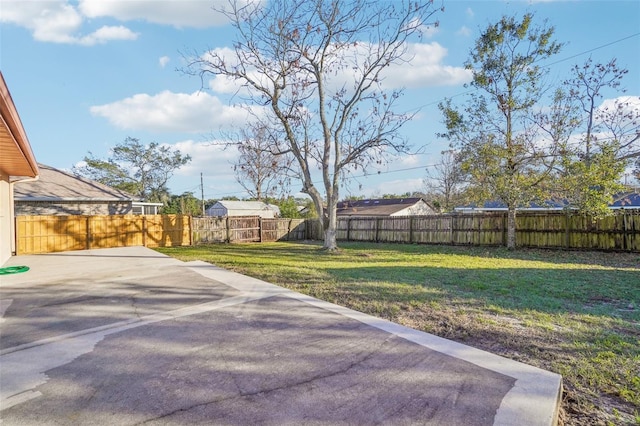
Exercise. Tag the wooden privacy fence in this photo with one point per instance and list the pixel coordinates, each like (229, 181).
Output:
(45, 234)
(247, 229)
(533, 229)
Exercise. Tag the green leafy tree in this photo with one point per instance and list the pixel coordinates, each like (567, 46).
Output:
(497, 140)
(186, 204)
(317, 67)
(594, 161)
(288, 208)
(142, 170)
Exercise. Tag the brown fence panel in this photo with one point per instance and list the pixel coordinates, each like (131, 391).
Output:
(248, 229)
(298, 230)
(432, 230)
(542, 230)
(244, 229)
(282, 229)
(269, 230)
(208, 230)
(356, 229)
(115, 231)
(394, 229)
(45, 234)
(168, 230)
(631, 234)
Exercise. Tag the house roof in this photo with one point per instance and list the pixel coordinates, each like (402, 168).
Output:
(57, 185)
(243, 205)
(625, 200)
(375, 207)
(17, 159)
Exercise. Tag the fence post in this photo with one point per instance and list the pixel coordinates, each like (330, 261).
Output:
(410, 229)
(624, 230)
(451, 224)
(505, 228)
(144, 230)
(260, 228)
(567, 229)
(88, 232)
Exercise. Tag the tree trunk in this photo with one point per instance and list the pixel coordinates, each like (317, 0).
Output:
(331, 224)
(511, 228)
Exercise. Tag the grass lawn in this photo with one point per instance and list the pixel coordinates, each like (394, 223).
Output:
(574, 313)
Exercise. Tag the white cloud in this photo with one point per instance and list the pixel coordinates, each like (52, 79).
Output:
(464, 31)
(470, 13)
(58, 21)
(171, 112)
(410, 160)
(426, 69)
(210, 157)
(215, 162)
(163, 61)
(626, 104)
(399, 186)
(106, 34)
(183, 13)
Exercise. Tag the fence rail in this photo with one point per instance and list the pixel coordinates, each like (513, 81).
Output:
(43, 234)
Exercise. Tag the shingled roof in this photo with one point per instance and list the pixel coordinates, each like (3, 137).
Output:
(375, 207)
(57, 185)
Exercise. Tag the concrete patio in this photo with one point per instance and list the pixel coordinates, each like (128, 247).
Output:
(128, 336)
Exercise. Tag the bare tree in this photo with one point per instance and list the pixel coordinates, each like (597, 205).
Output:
(317, 66)
(445, 183)
(260, 170)
(616, 125)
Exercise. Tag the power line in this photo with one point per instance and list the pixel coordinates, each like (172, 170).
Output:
(546, 65)
(235, 193)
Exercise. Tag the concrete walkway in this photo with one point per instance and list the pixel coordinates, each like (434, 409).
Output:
(129, 336)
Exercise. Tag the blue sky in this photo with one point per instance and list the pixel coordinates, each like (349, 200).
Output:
(86, 74)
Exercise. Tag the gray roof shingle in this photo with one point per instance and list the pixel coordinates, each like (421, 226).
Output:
(57, 185)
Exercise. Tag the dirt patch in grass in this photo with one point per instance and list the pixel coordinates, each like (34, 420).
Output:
(543, 348)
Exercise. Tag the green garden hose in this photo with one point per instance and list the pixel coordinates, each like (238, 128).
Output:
(13, 270)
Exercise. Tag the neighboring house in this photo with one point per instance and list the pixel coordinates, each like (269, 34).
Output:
(243, 208)
(17, 163)
(385, 207)
(60, 193)
(626, 200)
(499, 206)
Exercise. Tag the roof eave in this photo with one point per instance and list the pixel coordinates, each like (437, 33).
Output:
(28, 167)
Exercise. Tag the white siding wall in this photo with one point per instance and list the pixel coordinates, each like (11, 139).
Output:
(6, 232)
(419, 209)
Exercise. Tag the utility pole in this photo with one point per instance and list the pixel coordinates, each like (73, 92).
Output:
(202, 193)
